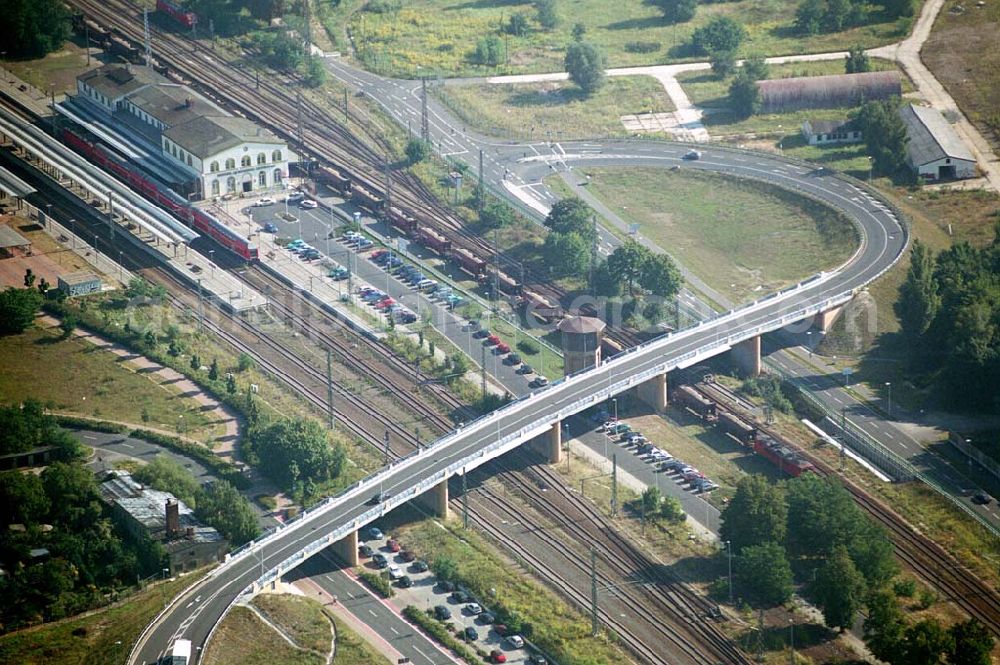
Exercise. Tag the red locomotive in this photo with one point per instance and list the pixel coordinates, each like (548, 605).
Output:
(186, 18)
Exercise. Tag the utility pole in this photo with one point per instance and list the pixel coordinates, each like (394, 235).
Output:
(386, 439)
(465, 502)
(593, 593)
(593, 253)
(329, 388)
(388, 185)
(145, 36)
(111, 217)
(496, 263)
(425, 128)
(482, 192)
(346, 115)
(614, 485)
(306, 17)
(482, 370)
(298, 117)
(201, 308)
(86, 38)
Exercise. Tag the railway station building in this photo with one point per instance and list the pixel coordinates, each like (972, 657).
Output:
(220, 154)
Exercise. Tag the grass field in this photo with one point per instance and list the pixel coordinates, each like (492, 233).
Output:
(742, 238)
(706, 90)
(36, 364)
(243, 638)
(562, 629)
(962, 53)
(97, 638)
(555, 109)
(301, 618)
(59, 68)
(436, 37)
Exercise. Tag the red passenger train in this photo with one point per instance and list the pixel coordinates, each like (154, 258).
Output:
(163, 196)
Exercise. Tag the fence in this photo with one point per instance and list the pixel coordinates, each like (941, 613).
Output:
(974, 454)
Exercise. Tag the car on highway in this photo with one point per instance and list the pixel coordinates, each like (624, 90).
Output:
(375, 533)
(379, 560)
(470, 634)
(981, 499)
(692, 155)
(395, 572)
(270, 228)
(441, 613)
(263, 201)
(497, 656)
(474, 609)
(515, 641)
(365, 550)
(308, 204)
(405, 582)
(419, 566)
(538, 382)
(378, 498)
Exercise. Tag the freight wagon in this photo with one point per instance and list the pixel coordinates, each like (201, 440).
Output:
(124, 50)
(692, 400)
(469, 262)
(737, 428)
(401, 220)
(432, 240)
(541, 307)
(365, 199)
(334, 179)
(506, 283)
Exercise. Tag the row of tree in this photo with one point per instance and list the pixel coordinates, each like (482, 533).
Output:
(27, 426)
(949, 316)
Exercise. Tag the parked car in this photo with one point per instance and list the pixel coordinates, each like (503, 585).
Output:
(339, 273)
(692, 474)
(309, 204)
(672, 465)
(492, 340)
(375, 533)
(364, 243)
(609, 425)
(500, 629)
(515, 641)
(537, 659)
(365, 550)
(419, 566)
(486, 618)
(460, 596)
(407, 556)
(474, 608)
(295, 196)
(445, 586)
(497, 656)
(475, 326)
(482, 333)
(395, 572)
(393, 545)
(405, 582)
(539, 382)
(644, 448)
(379, 560)
(502, 348)
(441, 613)
(470, 634)
(703, 485)
(635, 438)
(270, 228)
(525, 369)
(513, 359)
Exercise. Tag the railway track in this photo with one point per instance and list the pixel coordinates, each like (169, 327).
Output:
(925, 557)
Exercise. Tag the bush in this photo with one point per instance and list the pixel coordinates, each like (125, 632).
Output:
(417, 150)
(380, 584)
(643, 47)
(440, 633)
(529, 347)
(905, 587)
(219, 467)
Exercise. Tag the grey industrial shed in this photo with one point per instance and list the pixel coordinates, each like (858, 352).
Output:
(935, 150)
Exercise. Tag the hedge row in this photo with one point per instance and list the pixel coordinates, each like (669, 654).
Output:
(378, 583)
(218, 466)
(94, 425)
(439, 632)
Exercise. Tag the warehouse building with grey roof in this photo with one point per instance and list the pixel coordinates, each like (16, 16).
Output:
(935, 150)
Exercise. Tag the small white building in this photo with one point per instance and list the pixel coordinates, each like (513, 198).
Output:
(828, 132)
(935, 151)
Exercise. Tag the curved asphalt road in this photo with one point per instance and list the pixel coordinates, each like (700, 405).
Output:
(883, 241)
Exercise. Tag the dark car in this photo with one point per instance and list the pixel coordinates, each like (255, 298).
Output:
(407, 555)
(379, 560)
(405, 582)
(981, 499)
(441, 613)
(482, 333)
(513, 359)
(459, 596)
(692, 155)
(525, 369)
(486, 618)
(419, 567)
(365, 550)
(270, 228)
(470, 634)
(537, 659)
(445, 586)
(378, 498)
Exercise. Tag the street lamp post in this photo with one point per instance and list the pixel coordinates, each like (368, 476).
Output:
(729, 552)
(211, 261)
(72, 233)
(791, 640)
(121, 268)
(809, 342)
(888, 387)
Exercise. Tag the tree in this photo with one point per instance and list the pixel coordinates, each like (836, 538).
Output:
(29, 278)
(579, 30)
(885, 135)
(809, 16)
(756, 67)
(34, 27)
(677, 11)
(166, 475)
(884, 625)
(723, 62)
(857, 61)
(22, 499)
(567, 254)
(672, 510)
(17, 309)
(605, 283)
(757, 514)
(837, 16)
(417, 150)
(763, 575)
(245, 362)
(872, 552)
(195, 362)
(627, 263)
(315, 72)
(489, 51)
(445, 568)
(585, 64)
(231, 384)
(839, 589)
(919, 299)
(221, 506)
(720, 34)
(651, 500)
(661, 276)
(496, 215)
(547, 17)
(517, 25)
(972, 644)
(924, 643)
(67, 325)
(744, 95)
(299, 441)
(44, 286)
(150, 339)
(898, 8)
(821, 515)
(572, 215)
(213, 370)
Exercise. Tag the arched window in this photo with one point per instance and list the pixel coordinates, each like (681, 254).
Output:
(230, 164)
(230, 184)
(262, 179)
(276, 156)
(245, 161)
(214, 168)
(215, 188)
(277, 176)
(261, 158)
(189, 160)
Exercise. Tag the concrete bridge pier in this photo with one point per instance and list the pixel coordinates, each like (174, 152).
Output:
(549, 444)
(654, 392)
(435, 500)
(825, 320)
(746, 356)
(346, 549)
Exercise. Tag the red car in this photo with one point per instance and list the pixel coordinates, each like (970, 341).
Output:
(500, 629)
(378, 252)
(394, 545)
(492, 340)
(387, 302)
(497, 656)
(502, 348)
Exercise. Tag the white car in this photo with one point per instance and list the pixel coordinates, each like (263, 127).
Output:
(294, 196)
(265, 201)
(309, 204)
(515, 641)
(395, 572)
(474, 609)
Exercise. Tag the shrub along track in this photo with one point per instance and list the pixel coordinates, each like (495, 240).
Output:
(321, 134)
(925, 557)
